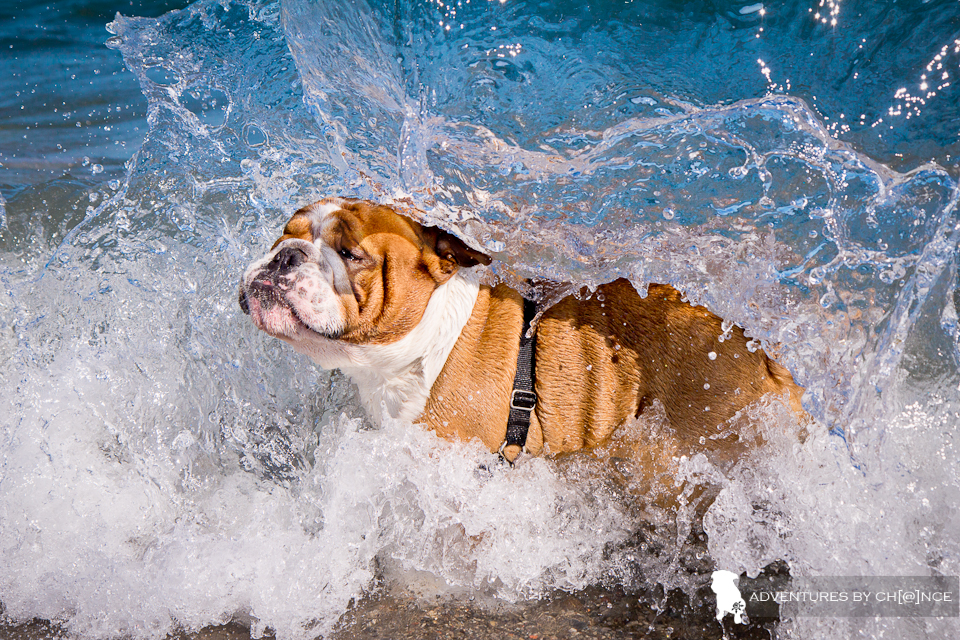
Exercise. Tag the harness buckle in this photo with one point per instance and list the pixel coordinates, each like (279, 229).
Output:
(503, 445)
(523, 400)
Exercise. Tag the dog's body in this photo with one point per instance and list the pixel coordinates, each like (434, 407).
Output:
(395, 305)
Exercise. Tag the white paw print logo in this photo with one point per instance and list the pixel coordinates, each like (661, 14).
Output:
(729, 599)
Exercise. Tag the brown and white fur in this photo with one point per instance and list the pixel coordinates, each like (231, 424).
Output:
(396, 306)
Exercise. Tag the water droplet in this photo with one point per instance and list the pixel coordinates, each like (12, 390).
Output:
(712, 355)
(828, 299)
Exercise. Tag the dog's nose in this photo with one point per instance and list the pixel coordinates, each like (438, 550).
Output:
(244, 305)
(286, 259)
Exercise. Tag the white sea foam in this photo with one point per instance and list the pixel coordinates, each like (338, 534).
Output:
(119, 535)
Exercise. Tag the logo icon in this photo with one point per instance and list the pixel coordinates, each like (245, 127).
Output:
(729, 599)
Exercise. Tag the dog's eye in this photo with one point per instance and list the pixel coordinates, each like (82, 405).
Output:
(346, 254)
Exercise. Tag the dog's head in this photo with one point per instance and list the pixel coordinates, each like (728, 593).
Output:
(349, 271)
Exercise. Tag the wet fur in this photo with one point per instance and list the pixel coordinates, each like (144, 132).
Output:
(601, 361)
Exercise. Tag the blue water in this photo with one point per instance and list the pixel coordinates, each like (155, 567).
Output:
(793, 166)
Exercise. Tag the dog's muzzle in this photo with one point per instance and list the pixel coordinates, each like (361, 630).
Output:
(244, 305)
(283, 262)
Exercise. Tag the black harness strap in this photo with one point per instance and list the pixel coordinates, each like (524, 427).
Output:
(523, 400)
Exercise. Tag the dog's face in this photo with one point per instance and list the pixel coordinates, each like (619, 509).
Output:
(349, 272)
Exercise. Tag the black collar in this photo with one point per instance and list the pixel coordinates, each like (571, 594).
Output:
(523, 400)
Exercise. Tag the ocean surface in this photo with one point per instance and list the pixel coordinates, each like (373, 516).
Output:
(164, 466)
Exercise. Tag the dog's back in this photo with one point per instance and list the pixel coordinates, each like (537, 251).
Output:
(617, 353)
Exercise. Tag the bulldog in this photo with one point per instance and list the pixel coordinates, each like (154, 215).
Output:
(398, 307)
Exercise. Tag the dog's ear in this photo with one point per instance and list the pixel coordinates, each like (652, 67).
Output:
(450, 247)
(451, 252)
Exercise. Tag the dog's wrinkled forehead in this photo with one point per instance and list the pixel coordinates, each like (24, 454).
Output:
(342, 219)
(307, 223)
